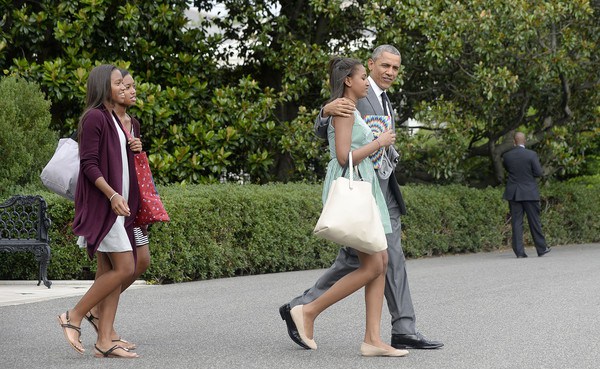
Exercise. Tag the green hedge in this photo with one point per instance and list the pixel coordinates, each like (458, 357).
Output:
(228, 230)
(26, 141)
(453, 219)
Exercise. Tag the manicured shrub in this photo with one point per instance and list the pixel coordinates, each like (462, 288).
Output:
(452, 219)
(26, 142)
(230, 230)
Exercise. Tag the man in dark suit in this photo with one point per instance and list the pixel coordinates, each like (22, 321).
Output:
(522, 194)
(384, 66)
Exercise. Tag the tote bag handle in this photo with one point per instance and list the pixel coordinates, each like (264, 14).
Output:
(349, 164)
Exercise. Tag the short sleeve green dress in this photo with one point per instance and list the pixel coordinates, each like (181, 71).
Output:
(361, 135)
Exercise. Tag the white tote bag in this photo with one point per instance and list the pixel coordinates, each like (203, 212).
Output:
(350, 216)
(61, 173)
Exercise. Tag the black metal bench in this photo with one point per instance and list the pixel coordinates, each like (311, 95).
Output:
(24, 226)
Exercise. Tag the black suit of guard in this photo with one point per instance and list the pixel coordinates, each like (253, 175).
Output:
(522, 193)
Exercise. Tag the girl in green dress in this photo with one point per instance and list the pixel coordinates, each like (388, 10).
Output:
(348, 78)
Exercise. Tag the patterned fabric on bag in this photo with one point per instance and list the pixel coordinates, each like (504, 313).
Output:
(151, 208)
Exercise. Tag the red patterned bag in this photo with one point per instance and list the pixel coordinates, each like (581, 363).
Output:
(151, 208)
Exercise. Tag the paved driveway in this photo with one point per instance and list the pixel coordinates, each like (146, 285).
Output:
(490, 309)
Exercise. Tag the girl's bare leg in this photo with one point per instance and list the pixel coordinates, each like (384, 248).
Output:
(370, 269)
(123, 265)
(142, 264)
(373, 306)
(101, 267)
(117, 270)
(107, 308)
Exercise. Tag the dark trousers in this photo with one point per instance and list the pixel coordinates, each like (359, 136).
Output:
(532, 209)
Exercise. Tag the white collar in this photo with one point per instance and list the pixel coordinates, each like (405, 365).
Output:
(375, 88)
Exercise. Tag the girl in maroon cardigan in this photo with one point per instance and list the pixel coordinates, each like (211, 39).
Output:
(106, 203)
(131, 125)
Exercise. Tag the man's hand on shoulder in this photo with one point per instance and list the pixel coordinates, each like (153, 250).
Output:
(341, 107)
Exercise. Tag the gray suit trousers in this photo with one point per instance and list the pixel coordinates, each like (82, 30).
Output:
(397, 292)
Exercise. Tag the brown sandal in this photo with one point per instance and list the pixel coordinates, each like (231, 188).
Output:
(90, 318)
(109, 352)
(125, 344)
(68, 325)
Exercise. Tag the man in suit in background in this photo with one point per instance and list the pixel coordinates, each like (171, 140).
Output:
(522, 194)
(384, 66)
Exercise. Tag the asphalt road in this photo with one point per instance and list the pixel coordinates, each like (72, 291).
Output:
(490, 309)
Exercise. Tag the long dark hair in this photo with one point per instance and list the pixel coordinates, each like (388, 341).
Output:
(339, 69)
(98, 90)
(124, 72)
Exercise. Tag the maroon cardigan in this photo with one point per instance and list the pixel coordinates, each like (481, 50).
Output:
(100, 156)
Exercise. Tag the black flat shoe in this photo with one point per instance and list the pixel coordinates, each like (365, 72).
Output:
(544, 252)
(284, 311)
(414, 341)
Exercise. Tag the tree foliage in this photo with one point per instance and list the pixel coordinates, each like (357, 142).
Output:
(482, 69)
(174, 65)
(234, 92)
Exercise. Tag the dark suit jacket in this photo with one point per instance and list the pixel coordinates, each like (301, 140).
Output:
(369, 105)
(522, 166)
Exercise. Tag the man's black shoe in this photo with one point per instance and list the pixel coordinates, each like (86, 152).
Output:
(544, 252)
(284, 311)
(414, 341)
(522, 256)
